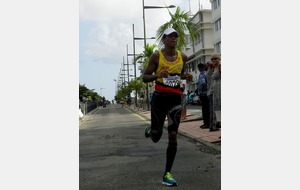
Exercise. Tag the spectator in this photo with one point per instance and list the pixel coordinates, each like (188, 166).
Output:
(191, 96)
(202, 92)
(216, 78)
(80, 112)
(210, 70)
(183, 99)
(128, 101)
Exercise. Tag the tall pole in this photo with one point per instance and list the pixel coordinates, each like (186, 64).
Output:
(134, 62)
(101, 90)
(123, 68)
(121, 73)
(147, 92)
(127, 62)
(144, 24)
(134, 51)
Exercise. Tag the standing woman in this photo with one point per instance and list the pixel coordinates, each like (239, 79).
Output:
(216, 82)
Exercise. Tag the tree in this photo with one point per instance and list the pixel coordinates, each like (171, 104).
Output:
(182, 23)
(145, 56)
(86, 92)
(134, 85)
(83, 90)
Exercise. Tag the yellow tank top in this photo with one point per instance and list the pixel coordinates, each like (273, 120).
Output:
(172, 83)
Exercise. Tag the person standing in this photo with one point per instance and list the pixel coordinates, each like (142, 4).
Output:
(191, 96)
(104, 101)
(210, 70)
(202, 91)
(128, 101)
(166, 68)
(183, 99)
(187, 97)
(80, 111)
(216, 78)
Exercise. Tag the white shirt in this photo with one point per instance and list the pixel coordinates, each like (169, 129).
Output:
(183, 83)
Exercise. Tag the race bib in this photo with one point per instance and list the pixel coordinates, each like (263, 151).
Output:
(172, 81)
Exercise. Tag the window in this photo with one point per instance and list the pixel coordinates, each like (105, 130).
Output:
(216, 4)
(199, 38)
(218, 24)
(218, 47)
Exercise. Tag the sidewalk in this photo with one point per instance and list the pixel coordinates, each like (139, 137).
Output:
(190, 127)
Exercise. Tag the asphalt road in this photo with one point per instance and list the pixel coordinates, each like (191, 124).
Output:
(114, 154)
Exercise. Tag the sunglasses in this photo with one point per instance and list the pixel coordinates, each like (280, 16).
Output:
(214, 58)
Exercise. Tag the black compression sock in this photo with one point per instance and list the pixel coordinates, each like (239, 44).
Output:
(171, 153)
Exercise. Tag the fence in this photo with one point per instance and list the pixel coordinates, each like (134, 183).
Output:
(88, 106)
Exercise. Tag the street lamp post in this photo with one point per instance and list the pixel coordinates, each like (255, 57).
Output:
(127, 62)
(133, 51)
(150, 7)
(134, 61)
(101, 90)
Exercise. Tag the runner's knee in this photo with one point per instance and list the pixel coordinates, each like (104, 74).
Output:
(173, 137)
(156, 135)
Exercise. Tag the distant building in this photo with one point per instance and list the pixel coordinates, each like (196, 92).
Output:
(202, 48)
(216, 19)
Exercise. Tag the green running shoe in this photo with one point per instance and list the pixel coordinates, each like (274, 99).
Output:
(148, 132)
(168, 180)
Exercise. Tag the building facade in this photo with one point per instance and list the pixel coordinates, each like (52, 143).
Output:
(216, 19)
(201, 49)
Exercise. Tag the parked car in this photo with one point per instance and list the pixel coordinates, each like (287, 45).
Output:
(196, 100)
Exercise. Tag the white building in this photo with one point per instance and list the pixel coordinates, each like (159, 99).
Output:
(199, 51)
(216, 19)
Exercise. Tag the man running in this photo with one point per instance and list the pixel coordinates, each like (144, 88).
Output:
(166, 68)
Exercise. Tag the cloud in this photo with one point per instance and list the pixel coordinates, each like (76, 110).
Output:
(112, 26)
(112, 22)
(106, 11)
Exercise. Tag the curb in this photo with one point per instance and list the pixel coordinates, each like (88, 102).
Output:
(188, 120)
(213, 145)
(86, 116)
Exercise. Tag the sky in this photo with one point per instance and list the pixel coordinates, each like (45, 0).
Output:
(105, 29)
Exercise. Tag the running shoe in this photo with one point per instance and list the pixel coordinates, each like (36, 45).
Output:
(148, 132)
(168, 180)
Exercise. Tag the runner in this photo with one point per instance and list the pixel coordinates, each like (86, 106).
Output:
(167, 65)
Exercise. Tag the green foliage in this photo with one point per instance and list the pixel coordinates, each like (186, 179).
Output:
(86, 92)
(182, 23)
(145, 56)
(134, 85)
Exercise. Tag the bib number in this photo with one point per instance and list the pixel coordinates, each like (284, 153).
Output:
(172, 81)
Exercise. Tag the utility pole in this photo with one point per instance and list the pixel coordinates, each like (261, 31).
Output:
(127, 62)
(101, 90)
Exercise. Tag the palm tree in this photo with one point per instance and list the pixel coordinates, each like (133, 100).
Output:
(145, 56)
(182, 23)
(88, 93)
(144, 59)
